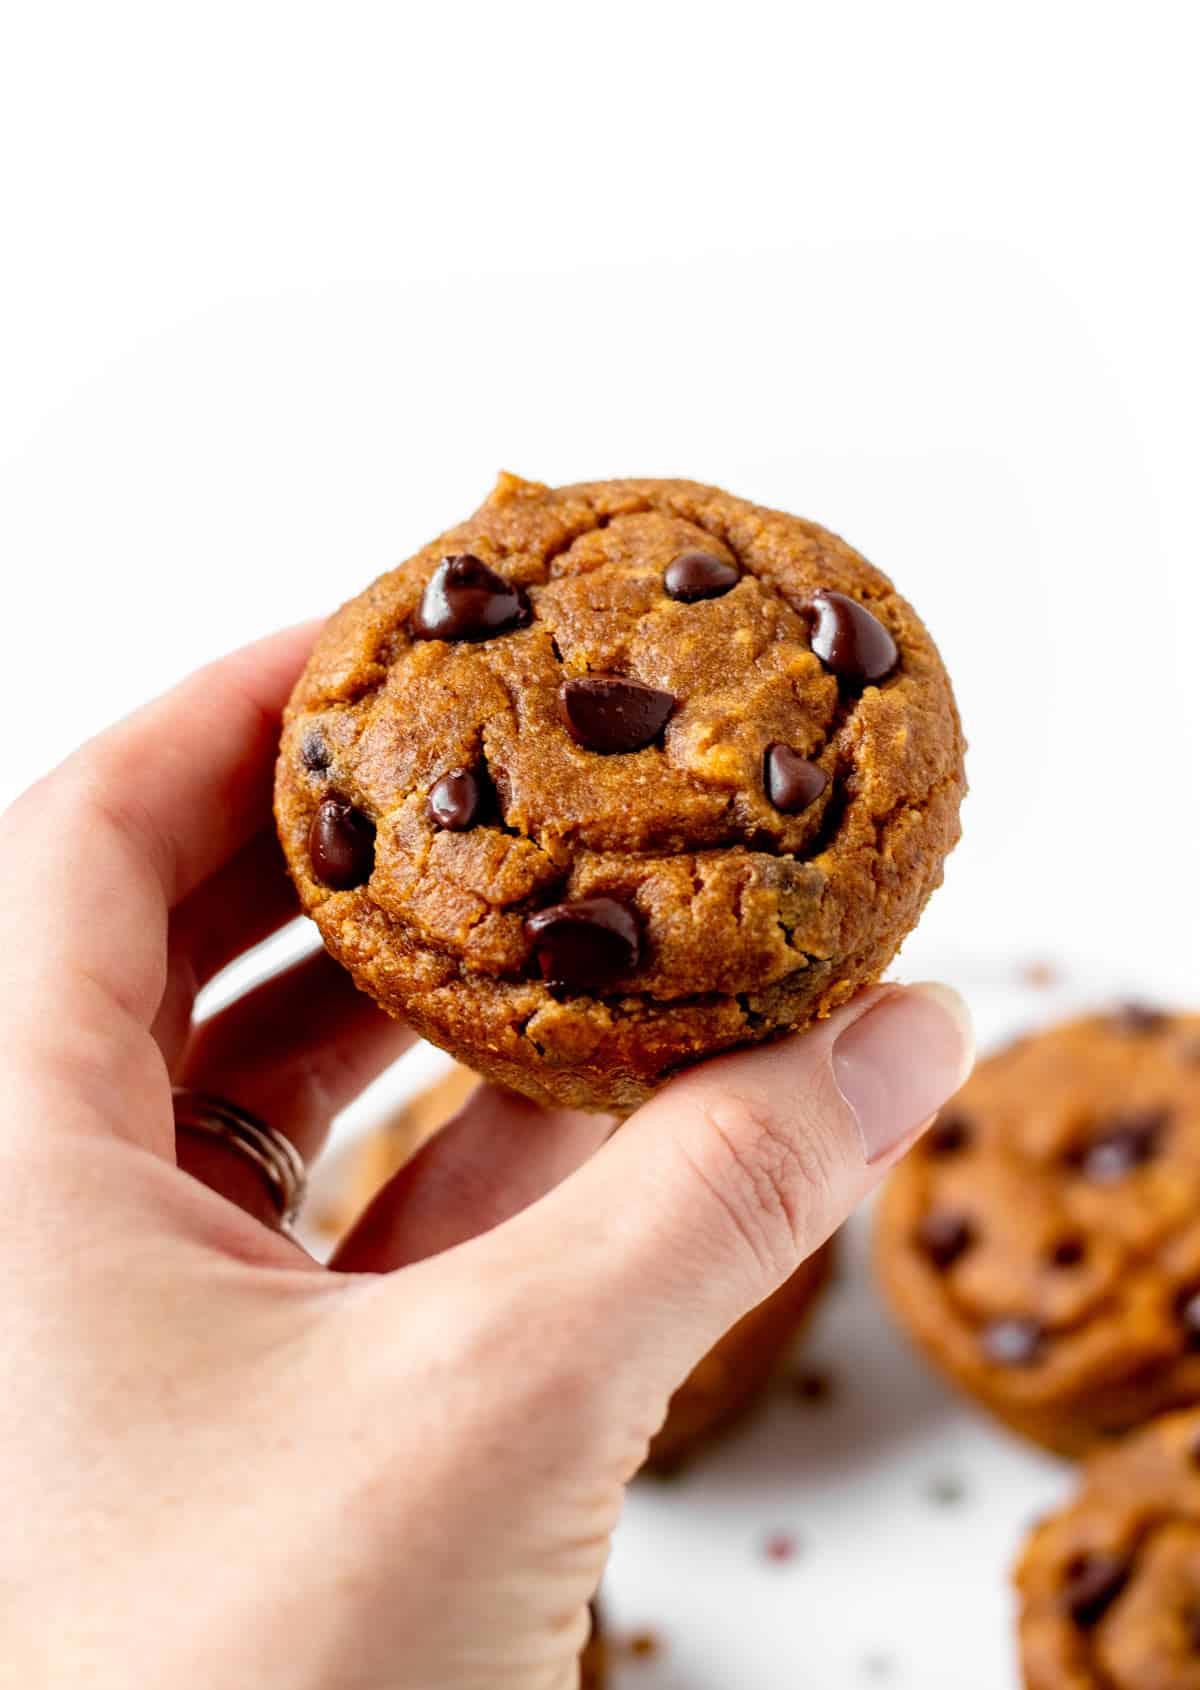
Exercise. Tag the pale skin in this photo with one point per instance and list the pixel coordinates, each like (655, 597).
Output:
(222, 1463)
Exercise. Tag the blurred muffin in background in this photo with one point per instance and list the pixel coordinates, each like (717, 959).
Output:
(593, 1664)
(1042, 1243)
(1109, 1584)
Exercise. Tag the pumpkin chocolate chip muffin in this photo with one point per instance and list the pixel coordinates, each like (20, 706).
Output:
(1042, 1243)
(614, 776)
(1110, 1586)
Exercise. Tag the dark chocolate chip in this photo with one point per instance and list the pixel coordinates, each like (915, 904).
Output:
(1091, 1584)
(341, 845)
(465, 600)
(585, 945)
(1187, 1313)
(1013, 1340)
(459, 800)
(948, 1135)
(698, 575)
(314, 753)
(792, 783)
(945, 1236)
(608, 713)
(1121, 1145)
(1137, 1018)
(849, 640)
(1068, 1252)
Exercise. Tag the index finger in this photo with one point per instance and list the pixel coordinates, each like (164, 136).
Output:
(94, 856)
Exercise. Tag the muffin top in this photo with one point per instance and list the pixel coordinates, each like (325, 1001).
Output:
(639, 743)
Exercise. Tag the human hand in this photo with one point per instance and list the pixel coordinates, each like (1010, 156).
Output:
(224, 1464)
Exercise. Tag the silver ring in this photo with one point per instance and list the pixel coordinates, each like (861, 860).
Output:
(275, 1157)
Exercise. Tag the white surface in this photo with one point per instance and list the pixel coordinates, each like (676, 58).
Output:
(285, 286)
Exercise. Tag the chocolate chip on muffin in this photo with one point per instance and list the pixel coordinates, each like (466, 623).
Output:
(644, 696)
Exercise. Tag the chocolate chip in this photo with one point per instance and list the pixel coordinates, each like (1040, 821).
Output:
(1091, 1584)
(792, 783)
(1137, 1018)
(465, 600)
(1068, 1252)
(1121, 1146)
(948, 1135)
(849, 640)
(1187, 1313)
(944, 1237)
(314, 753)
(698, 575)
(1013, 1340)
(459, 800)
(607, 713)
(585, 945)
(341, 845)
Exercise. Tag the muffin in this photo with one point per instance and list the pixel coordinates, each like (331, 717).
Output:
(1109, 1586)
(593, 1663)
(615, 776)
(1042, 1244)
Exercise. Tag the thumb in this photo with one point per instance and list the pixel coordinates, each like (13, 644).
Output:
(714, 1192)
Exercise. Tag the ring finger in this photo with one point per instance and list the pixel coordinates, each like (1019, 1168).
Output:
(294, 1052)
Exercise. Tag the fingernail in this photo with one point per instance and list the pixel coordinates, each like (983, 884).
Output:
(897, 1064)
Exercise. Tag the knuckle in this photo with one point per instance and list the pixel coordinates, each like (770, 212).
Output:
(769, 1176)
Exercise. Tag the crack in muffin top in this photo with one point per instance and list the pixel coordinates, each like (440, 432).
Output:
(720, 718)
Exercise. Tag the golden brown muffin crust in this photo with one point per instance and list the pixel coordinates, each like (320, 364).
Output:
(753, 918)
(1110, 1586)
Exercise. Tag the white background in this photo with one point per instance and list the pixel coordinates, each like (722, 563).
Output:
(284, 287)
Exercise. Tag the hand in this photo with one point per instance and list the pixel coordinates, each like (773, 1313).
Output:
(223, 1464)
